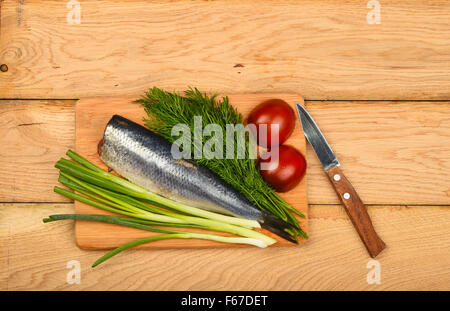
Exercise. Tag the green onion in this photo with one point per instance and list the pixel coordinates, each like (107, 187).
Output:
(93, 174)
(168, 233)
(128, 209)
(114, 194)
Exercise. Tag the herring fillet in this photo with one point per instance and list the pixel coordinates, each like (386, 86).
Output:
(145, 158)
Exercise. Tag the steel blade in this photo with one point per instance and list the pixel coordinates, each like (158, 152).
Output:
(316, 139)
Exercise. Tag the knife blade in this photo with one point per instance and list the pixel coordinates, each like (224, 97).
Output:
(353, 204)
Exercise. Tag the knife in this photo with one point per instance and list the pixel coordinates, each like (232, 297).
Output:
(352, 203)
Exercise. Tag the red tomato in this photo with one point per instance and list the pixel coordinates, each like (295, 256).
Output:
(272, 111)
(287, 172)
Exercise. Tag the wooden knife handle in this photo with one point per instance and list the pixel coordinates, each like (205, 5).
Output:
(356, 211)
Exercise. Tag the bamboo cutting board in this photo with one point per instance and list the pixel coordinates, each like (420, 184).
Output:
(92, 115)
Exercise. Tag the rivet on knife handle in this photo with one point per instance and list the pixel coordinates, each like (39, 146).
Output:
(356, 211)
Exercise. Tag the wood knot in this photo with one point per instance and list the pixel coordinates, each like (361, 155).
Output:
(3, 68)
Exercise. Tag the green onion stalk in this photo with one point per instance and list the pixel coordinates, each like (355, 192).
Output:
(111, 193)
(168, 233)
(97, 176)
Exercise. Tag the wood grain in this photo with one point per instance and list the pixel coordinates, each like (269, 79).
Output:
(323, 50)
(33, 136)
(393, 152)
(34, 256)
(92, 115)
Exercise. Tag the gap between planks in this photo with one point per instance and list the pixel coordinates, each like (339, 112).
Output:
(306, 100)
(312, 207)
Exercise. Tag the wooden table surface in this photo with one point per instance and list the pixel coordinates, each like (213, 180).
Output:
(379, 92)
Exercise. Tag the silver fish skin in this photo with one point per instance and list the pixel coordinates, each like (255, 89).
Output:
(145, 158)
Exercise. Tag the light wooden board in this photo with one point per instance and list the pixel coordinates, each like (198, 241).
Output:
(92, 115)
(392, 152)
(34, 256)
(321, 49)
(401, 144)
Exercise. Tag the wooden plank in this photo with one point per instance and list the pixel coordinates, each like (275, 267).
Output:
(392, 152)
(34, 256)
(92, 115)
(33, 136)
(320, 49)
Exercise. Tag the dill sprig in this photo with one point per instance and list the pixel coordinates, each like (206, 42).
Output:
(167, 109)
